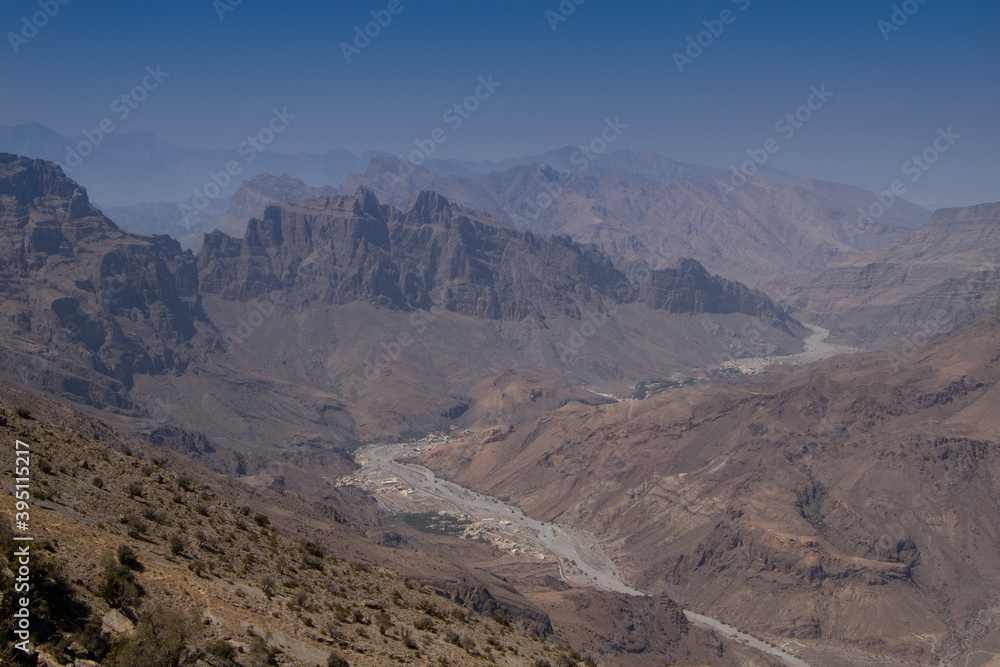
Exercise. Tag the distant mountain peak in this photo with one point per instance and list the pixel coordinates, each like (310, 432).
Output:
(425, 204)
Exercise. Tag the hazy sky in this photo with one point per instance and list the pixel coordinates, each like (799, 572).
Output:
(890, 96)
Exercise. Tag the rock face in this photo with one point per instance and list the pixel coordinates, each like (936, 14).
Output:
(921, 285)
(117, 304)
(691, 289)
(259, 192)
(356, 249)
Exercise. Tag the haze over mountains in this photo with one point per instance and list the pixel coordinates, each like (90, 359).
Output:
(373, 319)
(646, 211)
(829, 505)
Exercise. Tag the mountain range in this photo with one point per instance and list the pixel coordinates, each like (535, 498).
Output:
(627, 350)
(359, 319)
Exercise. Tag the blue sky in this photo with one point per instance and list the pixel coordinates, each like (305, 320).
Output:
(890, 96)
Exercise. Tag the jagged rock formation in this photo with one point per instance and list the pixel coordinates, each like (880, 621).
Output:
(117, 304)
(691, 289)
(257, 193)
(399, 259)
(647, 212)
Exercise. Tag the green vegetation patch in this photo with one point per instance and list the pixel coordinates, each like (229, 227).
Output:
(648, 388)
(433, 523)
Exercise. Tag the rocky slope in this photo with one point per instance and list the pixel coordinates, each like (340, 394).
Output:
(143, 558)
(849, 507)
(923, 284)
(87, 306)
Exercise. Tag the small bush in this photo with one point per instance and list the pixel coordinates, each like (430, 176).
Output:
(313, 549)
(335, 660)
(158, 640)
(177, 545)
(425, 623)
(126, 556)
(261, 520)
(136, 526)
(23, 413)
(118, 588)
(223, 650)
(134, 490)
(98, 482)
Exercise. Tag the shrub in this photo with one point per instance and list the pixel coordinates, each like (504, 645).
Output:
(260, 655)
(136, 526)
(98, 482)
(23, 413)
(261, 520)
(425, 623)
(383, 621)
(335, 660)
(176, 545)
(158, 640)
(134, 489)
(222, 649)
(185, 482)
(118, 588)
(153, 515)
(127, 557)
(313, 549)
